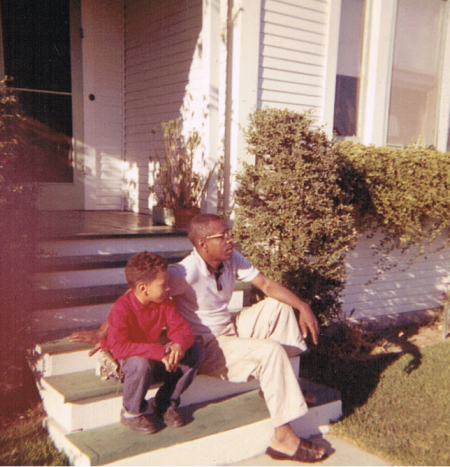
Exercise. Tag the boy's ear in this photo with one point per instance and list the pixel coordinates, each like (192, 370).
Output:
(141, 287)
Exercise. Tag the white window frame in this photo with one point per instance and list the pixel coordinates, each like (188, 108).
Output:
(376, 74)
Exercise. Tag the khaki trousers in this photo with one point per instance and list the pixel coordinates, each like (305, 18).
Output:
(257, 346)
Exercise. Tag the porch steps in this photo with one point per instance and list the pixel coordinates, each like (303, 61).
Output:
(228, 422)
(78, 279)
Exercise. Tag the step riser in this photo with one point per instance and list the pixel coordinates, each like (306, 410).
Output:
(52, 365)
(105, 246)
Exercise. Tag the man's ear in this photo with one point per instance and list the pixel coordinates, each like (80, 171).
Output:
(201, 244)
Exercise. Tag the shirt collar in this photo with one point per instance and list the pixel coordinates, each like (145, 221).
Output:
(202, 263)
(137, 305)
(205, 268)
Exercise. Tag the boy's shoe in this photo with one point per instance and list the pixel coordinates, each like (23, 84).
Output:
(171, 416)
(140, 424)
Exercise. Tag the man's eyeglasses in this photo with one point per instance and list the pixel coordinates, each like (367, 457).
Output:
(226, 235)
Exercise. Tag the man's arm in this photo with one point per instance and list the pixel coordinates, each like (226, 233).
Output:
(307, 321)
(91, 337)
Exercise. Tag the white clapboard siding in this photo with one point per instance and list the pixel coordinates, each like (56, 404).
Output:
(162, 81)
(296, 43)
(407, 287)
(292, 64)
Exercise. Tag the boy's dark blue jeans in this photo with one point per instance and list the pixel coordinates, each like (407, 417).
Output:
(139, 373)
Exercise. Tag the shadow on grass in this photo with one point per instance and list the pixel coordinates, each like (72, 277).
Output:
(342, 363)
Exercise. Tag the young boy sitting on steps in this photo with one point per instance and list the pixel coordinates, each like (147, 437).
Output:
(135, 326)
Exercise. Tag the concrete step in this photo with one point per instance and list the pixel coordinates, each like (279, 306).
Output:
(217, 433)
(62, 356)
(82, 401)
(77, 398)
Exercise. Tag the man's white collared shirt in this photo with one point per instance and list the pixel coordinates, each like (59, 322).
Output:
(194, 289)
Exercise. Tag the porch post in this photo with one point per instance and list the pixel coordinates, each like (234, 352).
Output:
(377, 77)
(243, 43)
(210, 56)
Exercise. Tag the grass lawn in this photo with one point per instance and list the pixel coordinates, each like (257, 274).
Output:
(23, 440)
(406, 419)
(396, 401)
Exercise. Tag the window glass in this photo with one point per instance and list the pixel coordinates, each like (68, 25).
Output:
(416, 72)
(349, 67)
(36, 55)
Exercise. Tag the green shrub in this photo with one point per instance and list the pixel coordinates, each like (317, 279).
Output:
(290, 218)
(401, 193)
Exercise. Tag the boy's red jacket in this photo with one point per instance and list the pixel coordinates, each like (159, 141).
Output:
(134, 328)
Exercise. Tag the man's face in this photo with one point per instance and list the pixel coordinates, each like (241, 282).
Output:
(218, 243)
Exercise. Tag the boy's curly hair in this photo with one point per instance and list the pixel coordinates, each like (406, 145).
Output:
(144, 267)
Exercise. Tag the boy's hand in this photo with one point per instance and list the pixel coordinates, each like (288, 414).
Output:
(174, 353)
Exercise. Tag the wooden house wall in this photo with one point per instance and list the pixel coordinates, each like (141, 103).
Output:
(414, 284)
(163, 81)
(293, 55)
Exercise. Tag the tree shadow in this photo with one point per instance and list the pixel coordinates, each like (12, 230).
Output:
(342, 363)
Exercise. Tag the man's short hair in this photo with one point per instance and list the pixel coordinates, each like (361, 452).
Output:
(144, 267)
(199, 226)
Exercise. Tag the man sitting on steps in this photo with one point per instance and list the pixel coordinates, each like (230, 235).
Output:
(255, 344)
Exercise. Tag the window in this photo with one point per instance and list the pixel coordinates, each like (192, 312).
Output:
(36, 55)
(349, 68)
(416, 72)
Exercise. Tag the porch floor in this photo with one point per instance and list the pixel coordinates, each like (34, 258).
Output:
(97, 224)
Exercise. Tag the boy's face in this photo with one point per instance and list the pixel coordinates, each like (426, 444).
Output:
(155, 291)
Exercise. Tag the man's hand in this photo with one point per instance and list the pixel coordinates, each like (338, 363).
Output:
(91, 337)
(174, 353)
(308, 322)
